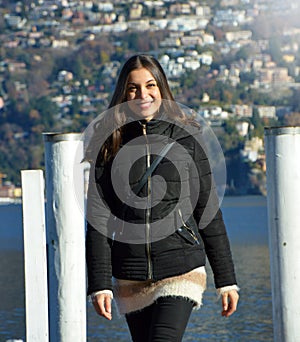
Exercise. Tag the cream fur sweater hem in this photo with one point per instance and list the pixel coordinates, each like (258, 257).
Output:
(132, 296)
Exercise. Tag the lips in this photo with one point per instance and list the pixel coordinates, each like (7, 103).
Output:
(145, 107)
(145, 104)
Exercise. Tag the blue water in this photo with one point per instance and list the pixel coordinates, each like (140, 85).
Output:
(246, 220)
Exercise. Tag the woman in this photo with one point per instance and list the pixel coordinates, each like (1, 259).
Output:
(147, 245)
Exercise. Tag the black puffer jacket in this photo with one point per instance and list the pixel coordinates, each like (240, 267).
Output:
(172, 223)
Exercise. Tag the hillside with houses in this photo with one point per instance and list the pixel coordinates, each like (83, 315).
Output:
(235, 62)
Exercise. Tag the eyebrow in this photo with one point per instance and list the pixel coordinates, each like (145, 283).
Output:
(152, 79)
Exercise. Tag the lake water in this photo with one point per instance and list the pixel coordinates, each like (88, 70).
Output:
(246, 220)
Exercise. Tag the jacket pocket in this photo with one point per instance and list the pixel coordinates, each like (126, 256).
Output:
(187, 232)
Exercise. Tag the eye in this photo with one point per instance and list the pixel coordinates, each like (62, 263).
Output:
(131, 88)
(151, 85)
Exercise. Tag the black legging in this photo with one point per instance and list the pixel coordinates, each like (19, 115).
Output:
(164, 320)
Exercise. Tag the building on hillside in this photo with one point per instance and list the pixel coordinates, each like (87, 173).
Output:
(180, 9)
(253, 149)
(281, 75)
(267, 112)
(238, 35)
(191, 41)
(15, 21)
(8, 190)
(65, 76)
(202, 11)
(135, 11)
(245, 111)
(62, 43)
(229, 3)
(242, 128)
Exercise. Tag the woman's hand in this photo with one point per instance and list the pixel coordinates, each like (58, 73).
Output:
(229, 302)
(102, 305)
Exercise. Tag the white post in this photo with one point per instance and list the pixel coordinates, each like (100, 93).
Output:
(283, 198)
(35, 257)
(66, 237)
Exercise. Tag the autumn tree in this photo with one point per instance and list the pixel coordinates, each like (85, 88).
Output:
(292, 119)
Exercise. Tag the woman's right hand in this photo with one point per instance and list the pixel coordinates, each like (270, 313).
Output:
(102, 305)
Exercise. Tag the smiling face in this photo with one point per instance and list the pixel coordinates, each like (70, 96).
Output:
(143, 94)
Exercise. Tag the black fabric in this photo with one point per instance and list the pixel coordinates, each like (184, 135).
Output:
(163, 321)
(177, 251)
(98, 261)
(152, 167)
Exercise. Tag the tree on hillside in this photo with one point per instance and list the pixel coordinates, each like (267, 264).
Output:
(245, 52)
(230, 140)
(223, 92)
(295, 100)
(37, 85)
(275, 49)
(292, 119)
(258, 130)
(47, 111)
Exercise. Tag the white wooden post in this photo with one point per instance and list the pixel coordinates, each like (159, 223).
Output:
(66, 237)
(35, 256)
(283, 198)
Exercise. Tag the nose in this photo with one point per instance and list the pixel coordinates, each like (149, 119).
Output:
(142, 93)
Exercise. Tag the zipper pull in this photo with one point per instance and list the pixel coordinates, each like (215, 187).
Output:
(189, 229)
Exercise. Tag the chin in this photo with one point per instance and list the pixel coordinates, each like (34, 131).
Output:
(144, 113)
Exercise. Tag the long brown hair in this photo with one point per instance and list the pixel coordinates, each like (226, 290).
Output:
(117, 118)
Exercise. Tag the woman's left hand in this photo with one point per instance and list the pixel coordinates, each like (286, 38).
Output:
(229, 302)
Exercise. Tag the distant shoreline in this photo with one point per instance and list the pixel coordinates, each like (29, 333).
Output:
(9, 200)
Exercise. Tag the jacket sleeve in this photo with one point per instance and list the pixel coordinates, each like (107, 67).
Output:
(209, 218)
(98, 244)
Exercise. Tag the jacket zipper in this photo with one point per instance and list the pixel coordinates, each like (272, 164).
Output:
(148, 246)
(189, 229)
